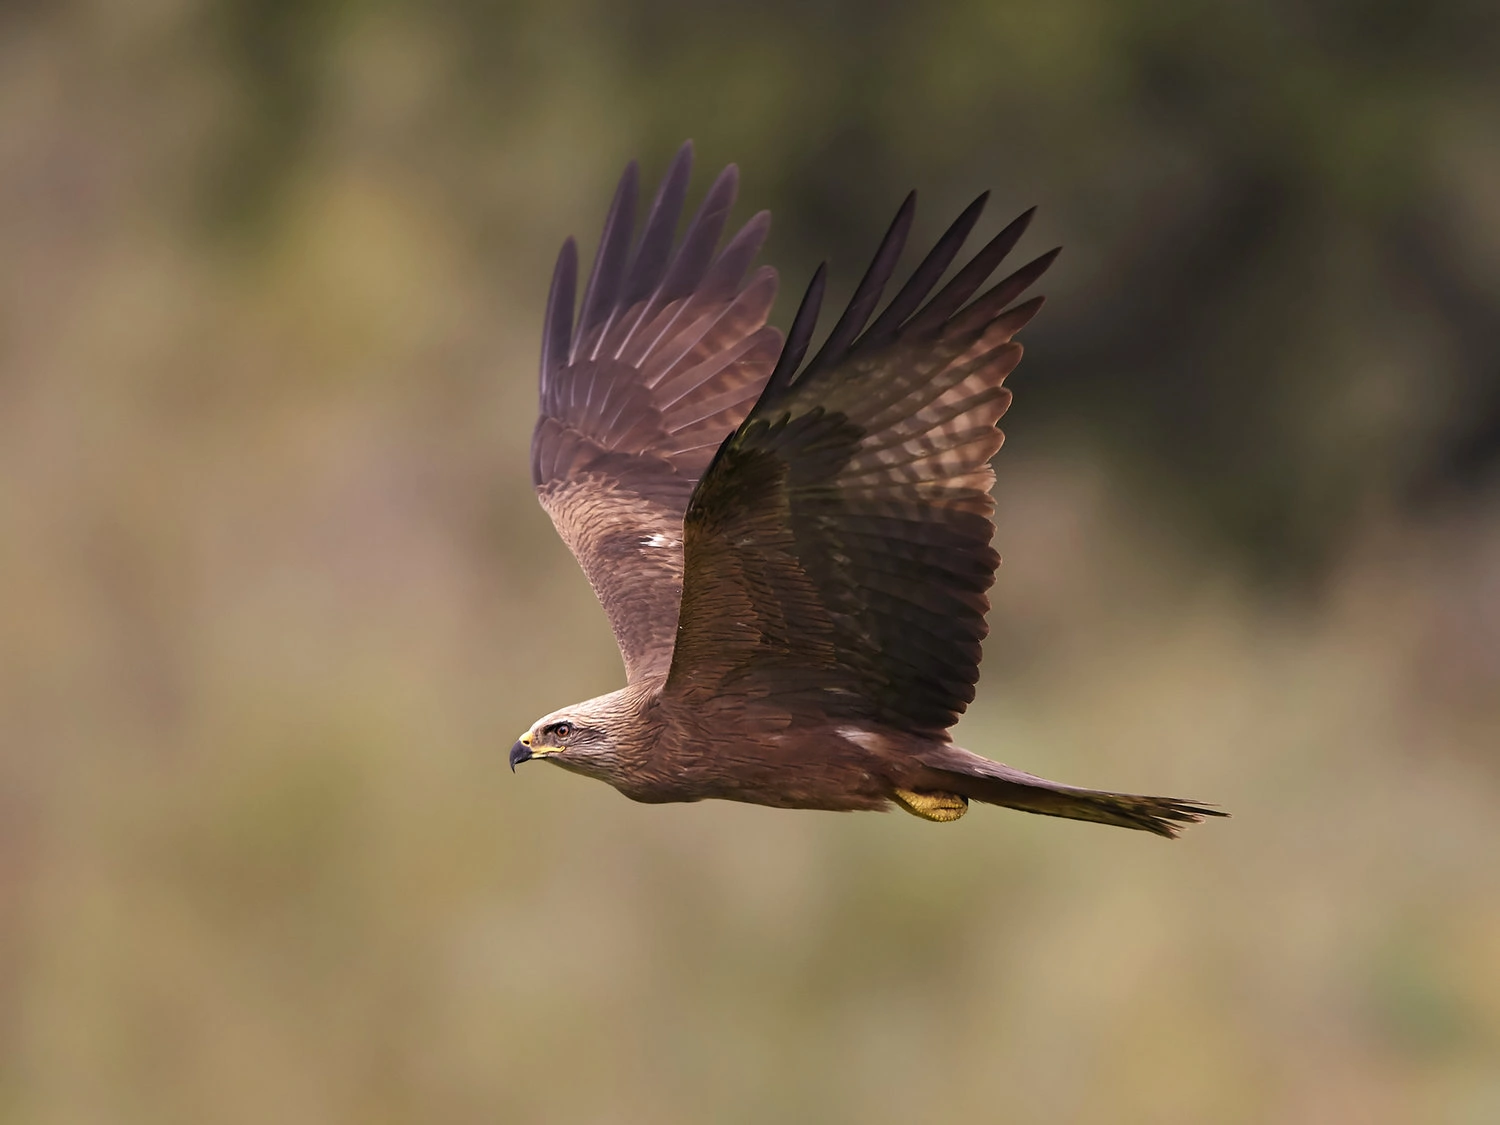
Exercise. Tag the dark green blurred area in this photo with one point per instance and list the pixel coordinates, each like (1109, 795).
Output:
(1280, 315)
(275, 596)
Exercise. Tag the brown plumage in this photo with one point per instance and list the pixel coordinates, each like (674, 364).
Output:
(794, 558)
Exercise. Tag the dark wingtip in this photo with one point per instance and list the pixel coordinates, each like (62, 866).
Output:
(955, 295)
(608, 274)
(798, 336)
(925, 276)
(557, 322)
(653, 255)
(867, 295)
(695, 251)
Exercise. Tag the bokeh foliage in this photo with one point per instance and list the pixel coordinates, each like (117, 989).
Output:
(1282, 317)
(275, 596)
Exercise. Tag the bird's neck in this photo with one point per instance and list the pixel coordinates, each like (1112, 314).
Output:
(635, 716)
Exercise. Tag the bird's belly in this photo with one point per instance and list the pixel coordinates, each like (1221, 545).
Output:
(788, 770)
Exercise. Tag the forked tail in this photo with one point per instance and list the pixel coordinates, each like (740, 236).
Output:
(980, 779)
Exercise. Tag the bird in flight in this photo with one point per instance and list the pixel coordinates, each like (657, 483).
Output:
(794, 556)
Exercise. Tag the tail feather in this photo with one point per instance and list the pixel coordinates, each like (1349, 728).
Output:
(980, 779)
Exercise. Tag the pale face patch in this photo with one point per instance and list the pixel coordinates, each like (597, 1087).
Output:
(538, 751)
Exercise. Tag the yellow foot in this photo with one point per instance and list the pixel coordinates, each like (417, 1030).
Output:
(941, 807)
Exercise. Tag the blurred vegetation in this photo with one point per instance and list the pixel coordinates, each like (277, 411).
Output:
(1280, 312)
(275, 596)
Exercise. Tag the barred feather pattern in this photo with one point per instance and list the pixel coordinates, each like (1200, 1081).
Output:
(838, 548)
(667, 355)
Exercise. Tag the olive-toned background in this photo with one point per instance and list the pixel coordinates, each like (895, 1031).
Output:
(275, 597)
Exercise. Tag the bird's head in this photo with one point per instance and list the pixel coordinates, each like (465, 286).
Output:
(580, 738)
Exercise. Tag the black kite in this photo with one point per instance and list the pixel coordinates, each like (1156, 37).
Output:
(794, 557)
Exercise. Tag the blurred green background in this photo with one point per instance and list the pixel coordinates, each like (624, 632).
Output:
(275, 596)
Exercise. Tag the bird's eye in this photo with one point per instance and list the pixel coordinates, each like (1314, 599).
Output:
(562, 730)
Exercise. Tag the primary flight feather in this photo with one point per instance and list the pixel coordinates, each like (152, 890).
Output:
(794, 557)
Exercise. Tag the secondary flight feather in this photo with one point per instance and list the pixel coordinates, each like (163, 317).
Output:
(794, 556)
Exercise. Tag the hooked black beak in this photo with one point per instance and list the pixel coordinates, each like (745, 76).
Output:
(520, 752)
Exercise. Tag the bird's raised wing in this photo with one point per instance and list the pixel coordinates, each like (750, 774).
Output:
(668, 353)
(838, 547)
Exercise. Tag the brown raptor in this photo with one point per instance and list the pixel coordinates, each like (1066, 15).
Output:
(794, 556)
